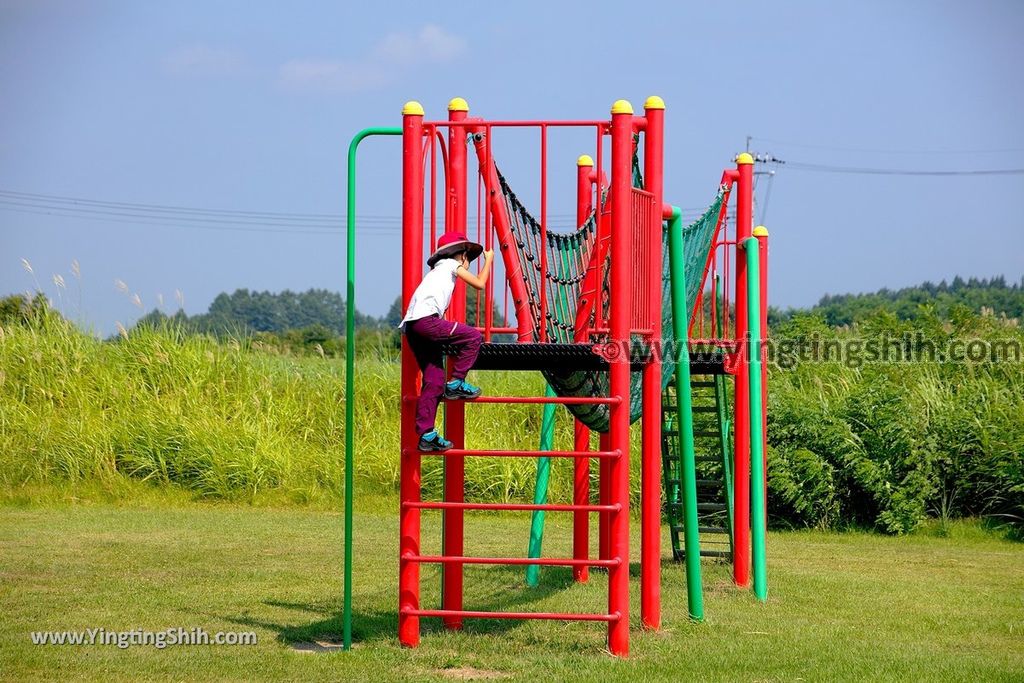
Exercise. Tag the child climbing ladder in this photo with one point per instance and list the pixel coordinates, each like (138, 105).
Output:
(428, 332)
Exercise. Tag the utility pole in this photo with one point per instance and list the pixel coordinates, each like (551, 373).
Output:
(765, 159)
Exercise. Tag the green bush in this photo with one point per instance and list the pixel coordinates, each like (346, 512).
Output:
(895, 443)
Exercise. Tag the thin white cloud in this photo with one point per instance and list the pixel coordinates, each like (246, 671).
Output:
(430, 44)
(394, 55)
(331, 75)
(202, 60)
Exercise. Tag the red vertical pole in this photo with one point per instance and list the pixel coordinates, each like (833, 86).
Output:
(741, 438)
(412, 271)
(604, 468)
(581, 441)
(619, 324)
(543, 233)
(761, 233)
(650, 475)
(455, 412)
(604, 442)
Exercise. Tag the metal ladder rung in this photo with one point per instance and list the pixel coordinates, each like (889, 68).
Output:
(548, 507)
(546, 561)
(474, 614)
(465, 452)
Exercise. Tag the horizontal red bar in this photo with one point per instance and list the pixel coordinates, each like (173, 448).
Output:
(470, 123)
(499, 331)
(562, 400)
(545, 561)
(524, 454)
(549, 507)
(722, 343)
(470, 614)
(635, 330)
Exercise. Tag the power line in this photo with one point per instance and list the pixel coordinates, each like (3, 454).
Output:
(84, 203)
(376, 226)
(879, 150)
(103, 219)
(185, 217)
(173, 209)
(74, 210)
(828, 168)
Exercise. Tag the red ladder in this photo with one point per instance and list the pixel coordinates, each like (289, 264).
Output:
(410, 558)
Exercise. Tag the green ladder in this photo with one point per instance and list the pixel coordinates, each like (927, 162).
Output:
(714, 474)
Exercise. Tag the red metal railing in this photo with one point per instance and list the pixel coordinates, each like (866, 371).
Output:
(642, 213)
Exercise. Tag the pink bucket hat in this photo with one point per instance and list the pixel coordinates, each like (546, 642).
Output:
(452, 243)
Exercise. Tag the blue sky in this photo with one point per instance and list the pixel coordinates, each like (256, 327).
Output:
(250, 106)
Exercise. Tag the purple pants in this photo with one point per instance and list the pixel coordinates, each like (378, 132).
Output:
(425, 337)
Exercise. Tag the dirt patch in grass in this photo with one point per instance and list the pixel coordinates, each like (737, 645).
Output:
(317, 646)
(468, 673)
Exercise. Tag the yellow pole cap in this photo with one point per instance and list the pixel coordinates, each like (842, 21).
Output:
(622, 107)
(412, 108)
(760, 231)
(744, 159)
(458, 104)
(585, 160)
(654, 102)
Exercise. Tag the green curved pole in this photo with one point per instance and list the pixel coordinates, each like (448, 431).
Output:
(540, 492)
(684, 415)
(757, 514)
(350, 354)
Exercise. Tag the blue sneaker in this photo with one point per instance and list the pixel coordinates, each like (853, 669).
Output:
(432, 441)
(460, 390)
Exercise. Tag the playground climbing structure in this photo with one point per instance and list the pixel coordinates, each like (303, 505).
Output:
(630, 318)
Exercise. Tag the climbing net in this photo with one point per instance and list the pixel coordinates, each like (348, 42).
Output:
(567, 261)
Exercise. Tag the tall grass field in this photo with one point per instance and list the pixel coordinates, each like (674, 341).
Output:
(880, 445)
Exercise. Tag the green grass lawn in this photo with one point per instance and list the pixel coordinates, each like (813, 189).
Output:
(841, 606)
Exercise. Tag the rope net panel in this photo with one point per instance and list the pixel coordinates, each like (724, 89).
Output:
(569, 257)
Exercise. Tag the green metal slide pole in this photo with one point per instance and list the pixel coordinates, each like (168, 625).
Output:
(350, 353)
(684, 415)
(757, 519)
(540, 493)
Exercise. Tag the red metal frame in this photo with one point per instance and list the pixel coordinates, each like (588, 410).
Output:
(581, 434)
(741, 410)
(455, 412)
(412, 272)
(650, 470)
(629, 225)
(619, 319)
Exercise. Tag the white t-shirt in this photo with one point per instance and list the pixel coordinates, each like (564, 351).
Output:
(435, 292)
